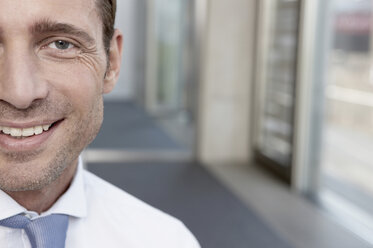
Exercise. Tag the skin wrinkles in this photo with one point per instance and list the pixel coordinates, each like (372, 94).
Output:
(91, 62)
(90, 59)
(65, 85)
(85, 49)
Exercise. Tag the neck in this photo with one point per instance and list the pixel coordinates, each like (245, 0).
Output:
(41, 200)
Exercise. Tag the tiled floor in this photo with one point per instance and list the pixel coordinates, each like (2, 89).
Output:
(296, 219)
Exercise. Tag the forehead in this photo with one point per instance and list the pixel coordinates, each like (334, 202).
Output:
(22, 14)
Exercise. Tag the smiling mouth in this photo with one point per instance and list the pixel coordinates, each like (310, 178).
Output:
(21, 133)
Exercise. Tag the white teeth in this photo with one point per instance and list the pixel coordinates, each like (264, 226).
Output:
(46, 127)
(25, 132)
(38, 130)
(6, 130)
(15, 132)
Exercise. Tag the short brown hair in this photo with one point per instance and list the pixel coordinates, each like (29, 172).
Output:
(107, 10)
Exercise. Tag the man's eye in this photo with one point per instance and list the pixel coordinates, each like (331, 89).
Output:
(61, 45)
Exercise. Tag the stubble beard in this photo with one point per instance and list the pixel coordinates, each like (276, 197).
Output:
(79, 135)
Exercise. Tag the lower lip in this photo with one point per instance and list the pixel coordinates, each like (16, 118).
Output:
(10, 144)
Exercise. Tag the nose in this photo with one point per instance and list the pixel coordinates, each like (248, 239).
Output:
(20, 85)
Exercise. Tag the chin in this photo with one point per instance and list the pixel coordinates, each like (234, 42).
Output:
(31, 175)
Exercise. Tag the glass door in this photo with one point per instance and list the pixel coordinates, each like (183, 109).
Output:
(275, 82)
(170, 89)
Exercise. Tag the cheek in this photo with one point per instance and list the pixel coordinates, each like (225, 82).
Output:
(80, 81)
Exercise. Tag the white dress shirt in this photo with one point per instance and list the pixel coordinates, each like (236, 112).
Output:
(101, 215)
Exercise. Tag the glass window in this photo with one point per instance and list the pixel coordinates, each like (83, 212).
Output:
(347, 126)
(347, 162)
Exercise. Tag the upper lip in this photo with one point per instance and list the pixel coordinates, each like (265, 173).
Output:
(27, 124)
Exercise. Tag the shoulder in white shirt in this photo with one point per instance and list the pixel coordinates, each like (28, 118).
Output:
(117, 219)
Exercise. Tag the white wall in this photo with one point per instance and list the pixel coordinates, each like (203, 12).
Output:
(126, 23)
(226, 83)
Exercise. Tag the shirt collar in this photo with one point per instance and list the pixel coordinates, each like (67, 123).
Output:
(72, 202)
(8, 206)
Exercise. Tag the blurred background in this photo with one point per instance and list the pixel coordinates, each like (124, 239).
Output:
(249, 120)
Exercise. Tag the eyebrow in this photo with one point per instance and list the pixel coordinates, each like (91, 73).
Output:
(48, 26)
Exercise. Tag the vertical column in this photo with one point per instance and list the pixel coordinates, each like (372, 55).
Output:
(226, 82)
(371, 46)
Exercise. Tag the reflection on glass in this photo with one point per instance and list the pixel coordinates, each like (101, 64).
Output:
(347, 162)
(169, 91)
(169, 37)
(277, 117)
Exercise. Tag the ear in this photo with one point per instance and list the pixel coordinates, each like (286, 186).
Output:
(115, 59)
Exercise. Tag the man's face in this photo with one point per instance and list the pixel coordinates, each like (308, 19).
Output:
(52, 70)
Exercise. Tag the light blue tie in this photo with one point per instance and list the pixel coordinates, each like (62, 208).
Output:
(44, 232)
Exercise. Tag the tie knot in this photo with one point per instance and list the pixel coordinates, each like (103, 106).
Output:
(43, 232)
